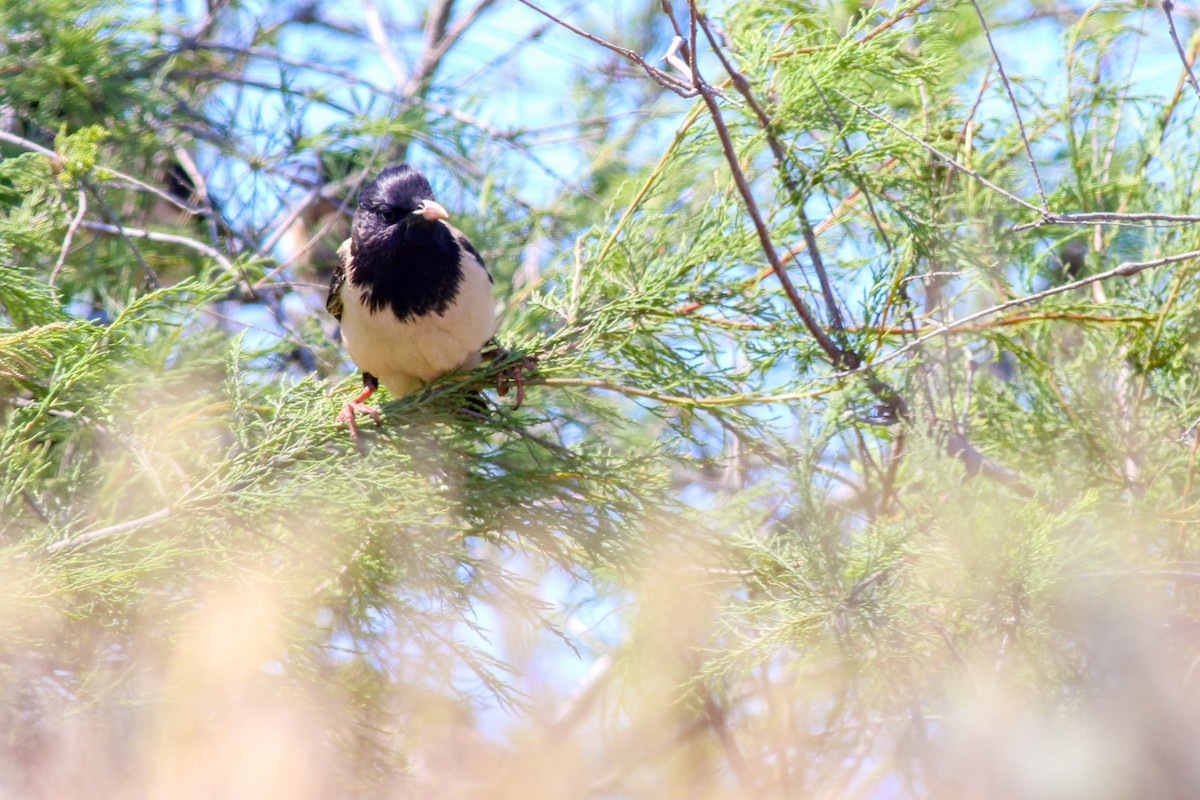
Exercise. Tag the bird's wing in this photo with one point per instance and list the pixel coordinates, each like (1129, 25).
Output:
(333, 301)
(465, 244)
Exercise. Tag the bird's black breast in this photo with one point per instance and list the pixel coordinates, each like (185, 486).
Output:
(415, 279)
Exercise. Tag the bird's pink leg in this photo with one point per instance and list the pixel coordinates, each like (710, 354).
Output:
(357, 406)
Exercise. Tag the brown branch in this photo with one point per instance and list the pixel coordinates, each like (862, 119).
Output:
(24, 402)
(957, 445)
(857, 179)
(839, 357)
(831, 348)
(781, 159)
(437, 18)
(293, 214)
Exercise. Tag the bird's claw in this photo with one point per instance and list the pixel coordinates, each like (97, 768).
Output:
(513, 375)
(346, 416)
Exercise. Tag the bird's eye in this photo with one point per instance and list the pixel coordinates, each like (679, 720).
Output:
(389, 215)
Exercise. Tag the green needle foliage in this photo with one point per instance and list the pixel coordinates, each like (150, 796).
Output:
(859, 458)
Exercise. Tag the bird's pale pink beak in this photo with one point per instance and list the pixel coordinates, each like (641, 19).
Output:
(430, 210)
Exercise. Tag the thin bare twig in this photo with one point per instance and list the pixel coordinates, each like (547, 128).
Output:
(583, 697)
(293, 257)
(66, 245)
(1037, 178)
(500, 59)
(395, 92)
(1003, 322)
(293, 214)
(1123, 270)
(1116, 217)
(733, 754)
(959, 447)
(838, 354)
(1183, 437)
(1167, 7)
(379, 37)
(663, 79)
(437, 46)
(1164, 117)
(155, 236)
(114, 226)
(719, 401)
(854, 175)
(679, 45)
(120, 527)
(24, 402)
(141, 185)
(945, 158)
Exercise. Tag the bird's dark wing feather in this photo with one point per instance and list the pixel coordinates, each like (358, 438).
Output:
(465, 244)
(333, 301)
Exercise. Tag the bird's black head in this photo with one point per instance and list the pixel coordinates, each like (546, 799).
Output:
(397, 208)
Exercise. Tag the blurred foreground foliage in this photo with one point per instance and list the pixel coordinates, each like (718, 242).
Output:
(706, 557)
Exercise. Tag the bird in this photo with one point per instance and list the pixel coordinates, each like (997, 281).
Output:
(412, 295)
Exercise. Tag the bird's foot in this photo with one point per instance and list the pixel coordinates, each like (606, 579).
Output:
(346, 416)
(512, 375)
